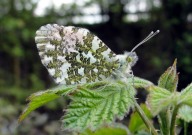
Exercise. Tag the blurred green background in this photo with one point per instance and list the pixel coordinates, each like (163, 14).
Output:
(121, 24)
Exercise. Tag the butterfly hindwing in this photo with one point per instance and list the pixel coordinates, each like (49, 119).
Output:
(74, 55)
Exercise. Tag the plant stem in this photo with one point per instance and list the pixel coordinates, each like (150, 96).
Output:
(173, 120)
(145, 119)
(185, 128)
(164, 121)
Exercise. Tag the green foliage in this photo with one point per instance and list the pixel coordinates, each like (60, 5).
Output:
(92, 105)
(139, 82)
(97, 105)
(136, 123)
(90, 109)
(169, 79)
(112, 130)
(38, 99)
(167, 103)
(185, 101)
(185, 113)
(159, 98)
(18, 24)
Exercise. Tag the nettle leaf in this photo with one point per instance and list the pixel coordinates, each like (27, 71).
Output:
(136, 123)
(185, 96)
(187, 90)
(160, 98)
(185, 113)
(101, 105)
(169, 79)
(39, 99)
(139, 82)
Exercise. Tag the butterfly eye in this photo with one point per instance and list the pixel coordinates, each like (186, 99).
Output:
(129, 59)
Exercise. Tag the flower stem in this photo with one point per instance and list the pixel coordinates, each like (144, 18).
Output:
(185, 128)
(145, 119)
(173, 120)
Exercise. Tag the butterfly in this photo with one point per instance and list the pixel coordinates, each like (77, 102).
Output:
(74, 55)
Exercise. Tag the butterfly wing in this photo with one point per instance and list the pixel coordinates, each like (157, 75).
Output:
(74, 55)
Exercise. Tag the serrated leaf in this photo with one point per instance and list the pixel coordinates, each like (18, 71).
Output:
(187, 90)
(169, 79)
(136, 123)
(185, 96)
(115, 129)
(93, 108)
(160, 98)
(38, 99)
(185, 113)
(139, 82)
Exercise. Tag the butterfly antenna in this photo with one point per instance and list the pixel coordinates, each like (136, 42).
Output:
(152, 34)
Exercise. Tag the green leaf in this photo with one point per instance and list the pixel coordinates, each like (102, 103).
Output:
(160, 98)
(187, 90)
(164, 121)
(139, 82)
(38, 99)
(185, 113)
(185, 96)
(136, 123)
(101, 105)
(169, 79)
(142, 133)
(115, 129)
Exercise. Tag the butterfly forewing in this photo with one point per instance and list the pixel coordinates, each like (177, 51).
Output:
(74, 55)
